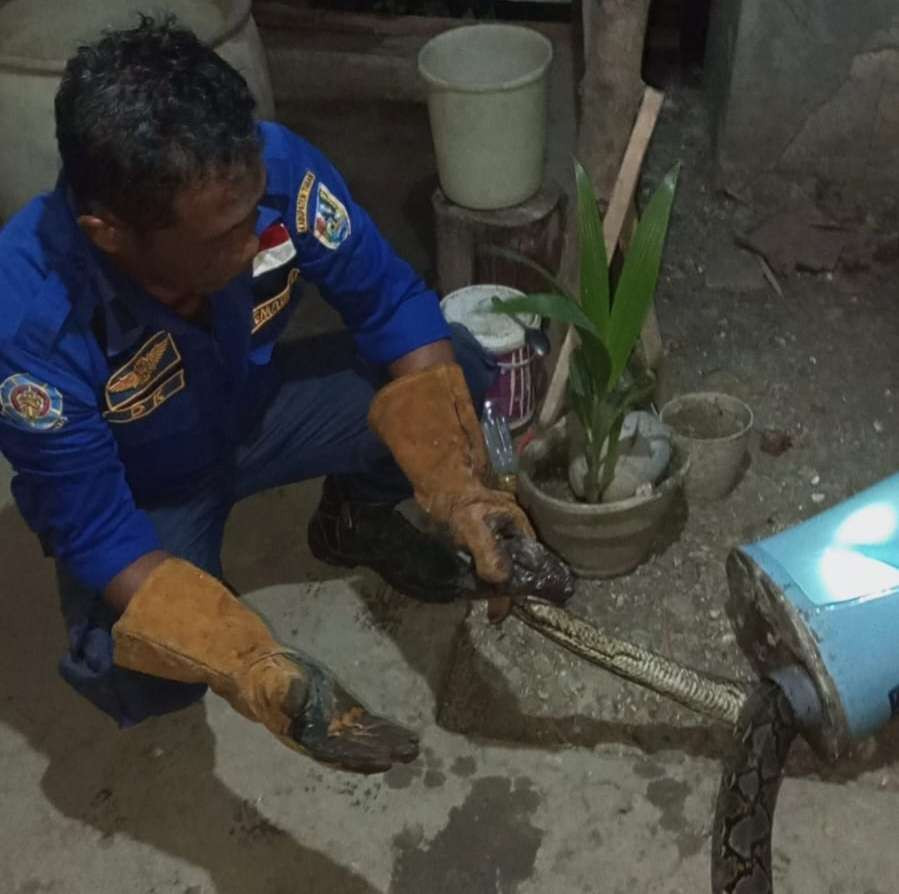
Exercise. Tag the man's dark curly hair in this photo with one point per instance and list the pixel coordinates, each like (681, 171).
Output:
(146, 112)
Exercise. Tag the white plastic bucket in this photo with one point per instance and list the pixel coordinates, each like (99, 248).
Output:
(487, 104)
(513, 392)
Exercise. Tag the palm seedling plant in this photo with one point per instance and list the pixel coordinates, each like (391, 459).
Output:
(608, 320)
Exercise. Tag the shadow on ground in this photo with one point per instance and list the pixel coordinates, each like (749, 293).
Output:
(477, 701)
(154, 784)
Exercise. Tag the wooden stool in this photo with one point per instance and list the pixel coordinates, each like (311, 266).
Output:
(534, 228)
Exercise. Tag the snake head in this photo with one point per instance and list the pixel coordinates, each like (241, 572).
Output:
(536, 572)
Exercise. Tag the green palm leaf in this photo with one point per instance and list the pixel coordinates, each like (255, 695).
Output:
(546, 304)
(580, 389)
(594, 266)
(639, 275)
(599, 363)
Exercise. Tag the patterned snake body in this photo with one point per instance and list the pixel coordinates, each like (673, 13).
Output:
(744, 812)
(721, 699)
(765, 730)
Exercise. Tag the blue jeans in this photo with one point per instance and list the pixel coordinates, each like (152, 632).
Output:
(315, 425)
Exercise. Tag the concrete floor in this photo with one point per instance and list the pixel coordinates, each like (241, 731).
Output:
(205, 802)
(618, 802)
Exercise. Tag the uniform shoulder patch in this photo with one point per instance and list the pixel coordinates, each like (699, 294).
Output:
(302, 210)
(29, 404)
(332, 223)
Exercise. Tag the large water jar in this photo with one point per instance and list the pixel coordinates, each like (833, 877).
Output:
(36, 38)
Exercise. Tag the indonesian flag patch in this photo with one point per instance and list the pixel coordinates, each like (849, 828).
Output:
(275, 249)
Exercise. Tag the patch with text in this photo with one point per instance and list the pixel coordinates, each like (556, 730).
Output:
(302, 210)
(265, 312)
(153, 401)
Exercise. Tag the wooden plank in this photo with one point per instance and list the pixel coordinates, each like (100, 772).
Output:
(617, 213)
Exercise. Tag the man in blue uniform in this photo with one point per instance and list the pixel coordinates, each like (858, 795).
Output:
(143, 392)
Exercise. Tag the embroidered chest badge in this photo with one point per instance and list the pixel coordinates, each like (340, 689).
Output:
(143, 406)
(332, 223)
(28, 404)
(155, 358)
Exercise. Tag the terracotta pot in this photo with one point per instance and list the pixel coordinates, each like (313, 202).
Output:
(596, 539)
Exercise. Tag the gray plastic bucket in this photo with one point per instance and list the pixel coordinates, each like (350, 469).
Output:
(713, 429)
(487, 104)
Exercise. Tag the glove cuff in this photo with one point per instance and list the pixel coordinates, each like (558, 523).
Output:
(183, 624)
(428, 422)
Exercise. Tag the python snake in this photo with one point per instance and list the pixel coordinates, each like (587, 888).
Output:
(747, 796)
(721, 699)
(764, 731)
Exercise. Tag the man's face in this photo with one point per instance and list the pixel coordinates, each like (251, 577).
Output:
(211, 241)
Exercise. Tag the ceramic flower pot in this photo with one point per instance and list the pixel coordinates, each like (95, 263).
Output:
(596, 539)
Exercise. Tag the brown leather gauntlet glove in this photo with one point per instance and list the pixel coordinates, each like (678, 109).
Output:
(183, 624)
(428, 422)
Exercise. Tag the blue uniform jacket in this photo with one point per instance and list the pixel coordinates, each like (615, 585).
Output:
(108, 400)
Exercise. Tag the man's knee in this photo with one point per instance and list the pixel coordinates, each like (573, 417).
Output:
(478, 365)
(89, 667)
(127, 696)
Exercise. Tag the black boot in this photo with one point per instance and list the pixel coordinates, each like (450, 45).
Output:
(348, 533)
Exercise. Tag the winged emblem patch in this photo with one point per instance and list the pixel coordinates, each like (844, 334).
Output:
(155, 358)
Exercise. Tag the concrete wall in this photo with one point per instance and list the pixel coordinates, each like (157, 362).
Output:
(368, 58)
(807, 88)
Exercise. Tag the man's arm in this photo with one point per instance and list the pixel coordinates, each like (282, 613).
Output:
(175, 621)
(121, 589)
(70, 485)
(381, 299)
(430, 355)
(425, 415)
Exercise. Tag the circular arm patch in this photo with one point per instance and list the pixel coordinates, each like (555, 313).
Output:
(26, 403)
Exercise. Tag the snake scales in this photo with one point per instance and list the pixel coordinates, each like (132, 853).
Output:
(747, 796)
(721, 699)
(764, 727)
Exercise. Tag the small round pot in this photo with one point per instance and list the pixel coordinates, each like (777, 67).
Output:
(596, 539)
(713, 430)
